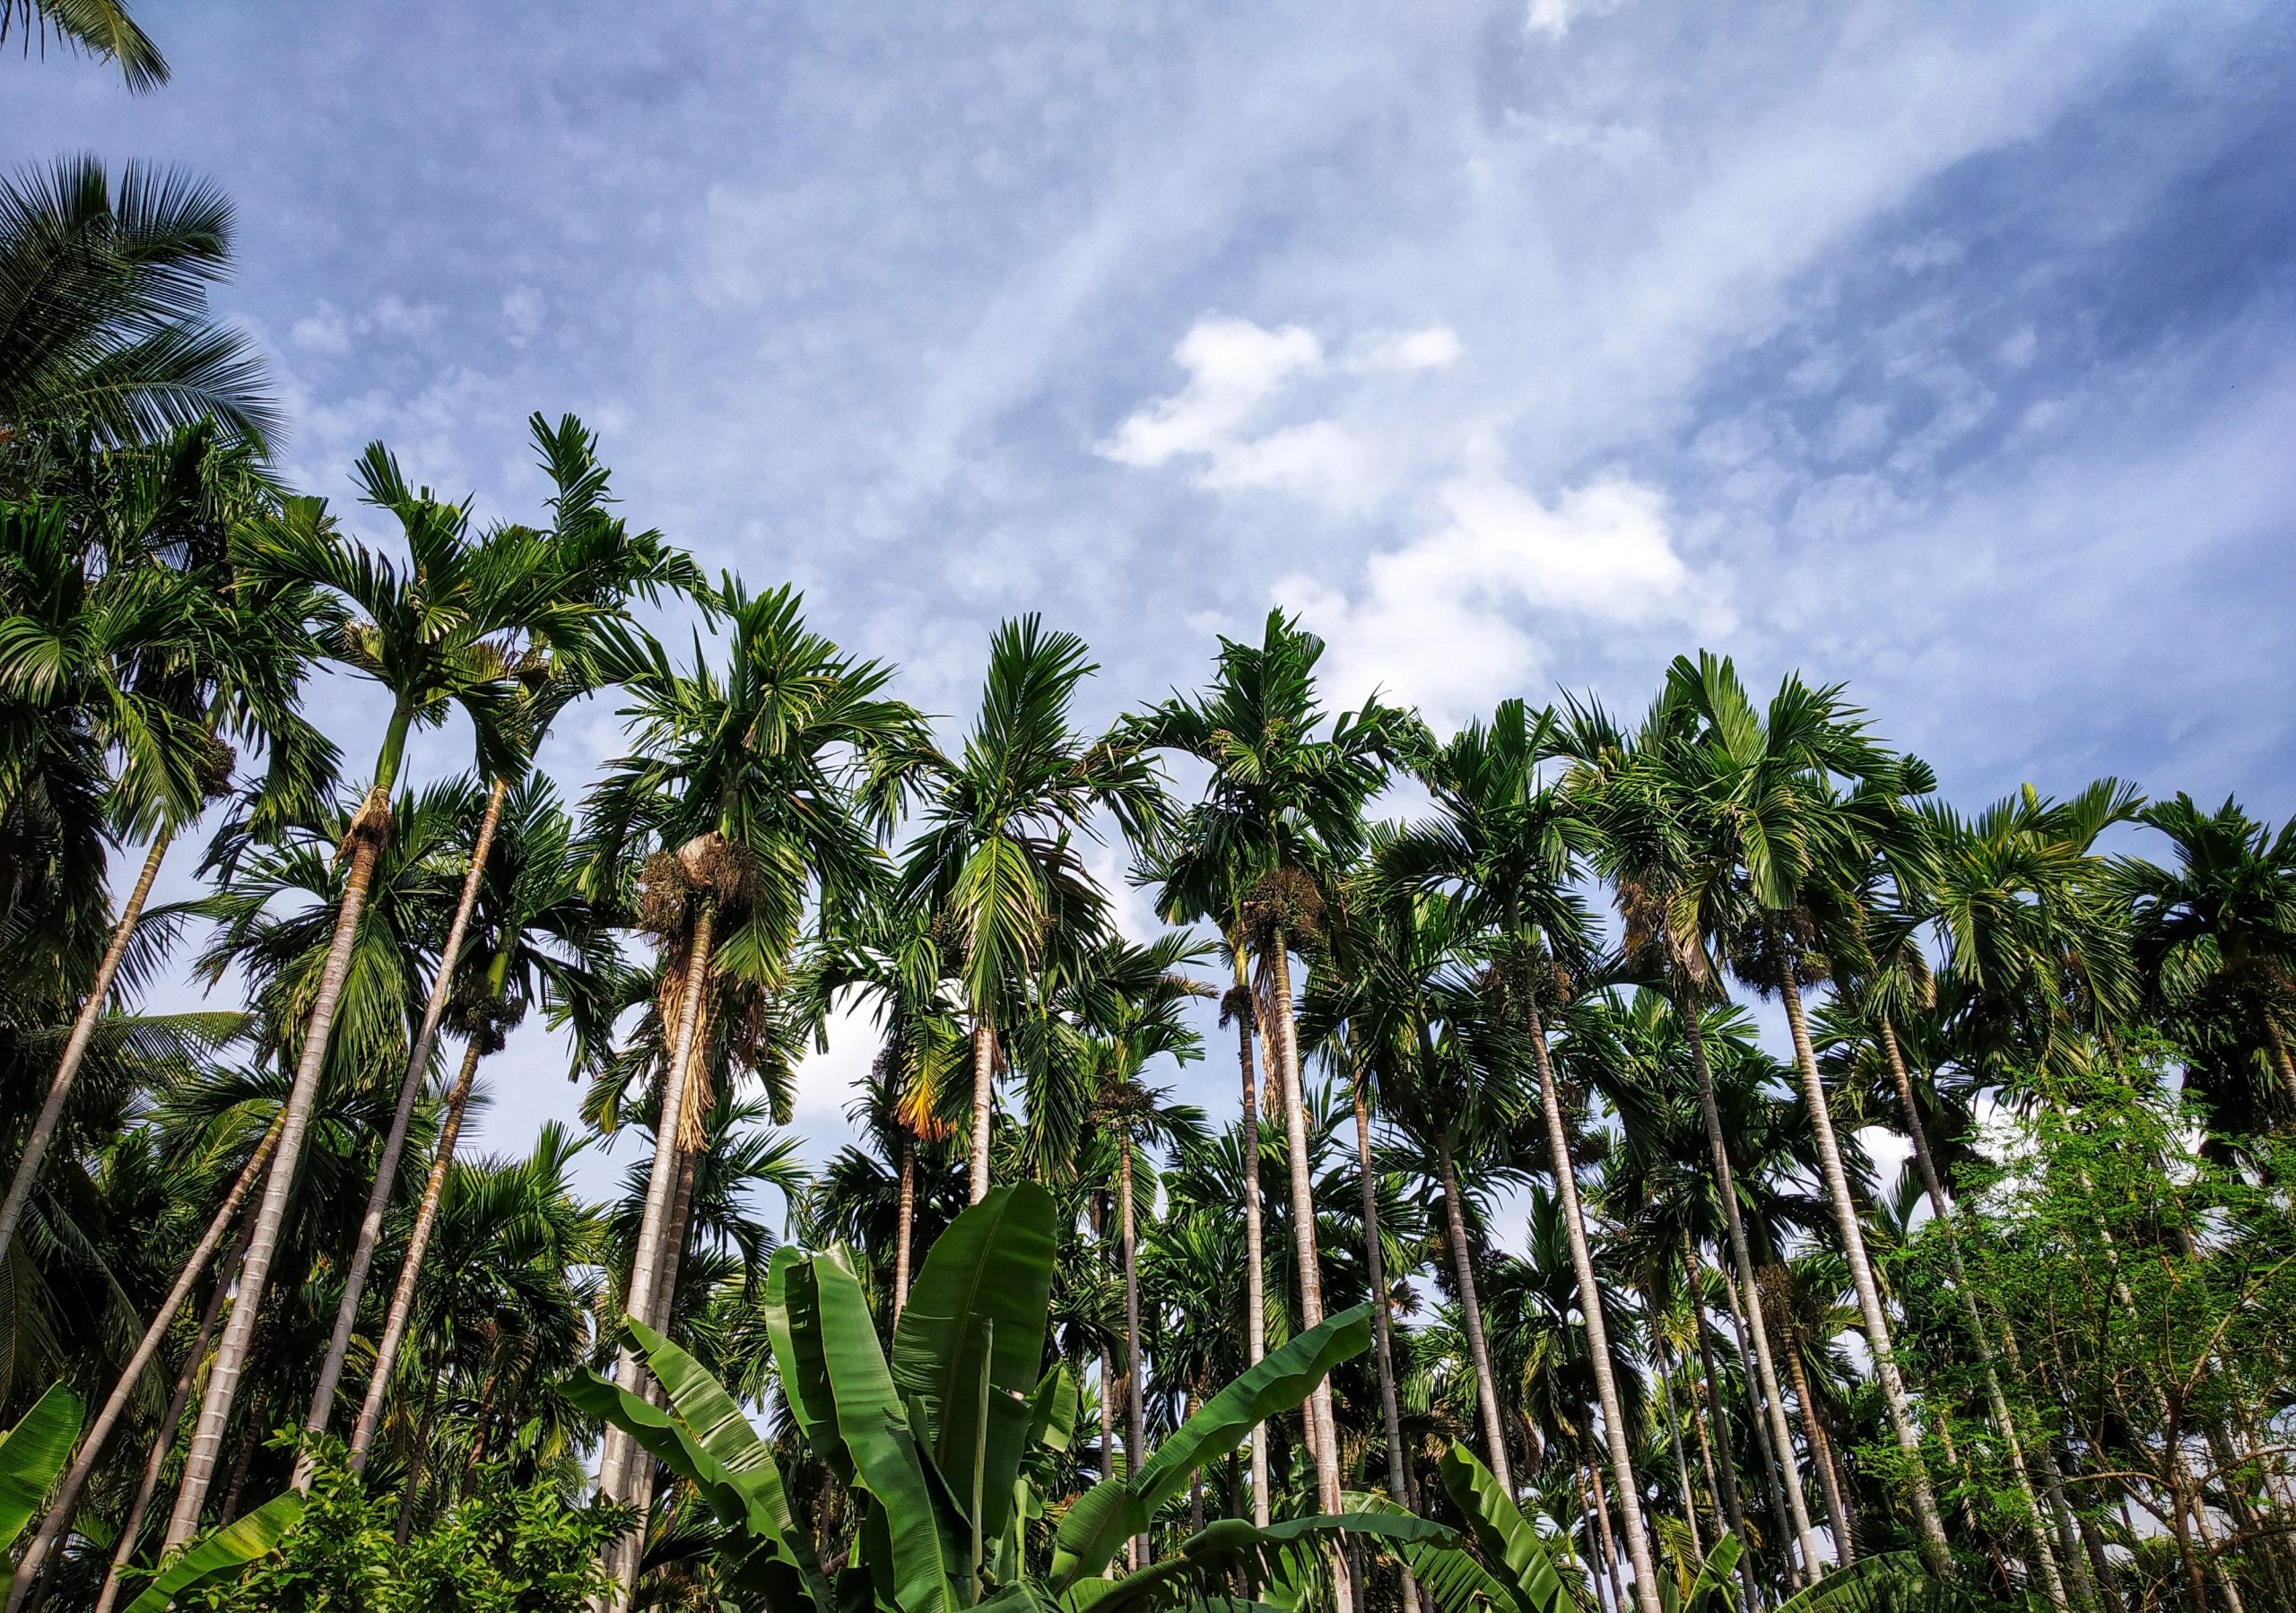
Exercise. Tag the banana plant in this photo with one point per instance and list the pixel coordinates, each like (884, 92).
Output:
(31, 1454)
(936, 1441)
(1894, 1581)
(1513, 1569)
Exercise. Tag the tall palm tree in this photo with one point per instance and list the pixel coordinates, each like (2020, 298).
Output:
(998, 851)
(587, 563)
(1283, 810)
(1766, 783)
(432, 637)
(762, 787)
(103, 307)
(1502, 838)
(101, 28)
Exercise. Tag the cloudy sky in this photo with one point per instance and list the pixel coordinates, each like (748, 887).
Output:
(1948, 350)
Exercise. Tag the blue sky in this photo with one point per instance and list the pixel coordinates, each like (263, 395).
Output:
(1949, 351)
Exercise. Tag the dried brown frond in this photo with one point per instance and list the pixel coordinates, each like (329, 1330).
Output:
(1236, 1003)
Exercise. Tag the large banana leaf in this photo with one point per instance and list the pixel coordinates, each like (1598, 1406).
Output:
(222, 1551)
(793, 1326)
(921, 1543)
(1713, 1588)
(706, 1441)
(1200, 1568)
(1523, 1560)
(1892, 1582)
(972, 1337)
(31, 1454)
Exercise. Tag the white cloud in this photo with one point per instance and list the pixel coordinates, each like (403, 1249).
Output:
(1554, 18)
(522, 311)
(1446, 621)
(1430, 349)
(323, 330)
(1234, 367)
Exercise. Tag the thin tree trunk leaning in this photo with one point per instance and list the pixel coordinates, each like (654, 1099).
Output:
(1934, 1552)
(131, 1526)
(1844, 1550)
(1665, 1375)
(410, 1088)
(1486, 1388)
(1598, 1339)
(645, 1260)
(1375, 1264)
(1610, 1542)
(1254, 1250)
(1135, 1419)
(147, 1348)
(1727, 1469)
(1746, 1306)
(984, 1100)
(2005, 1425)
(368, 832)
(410, 1272)
(75, 1048)
(905, 1223)
(640, 1473)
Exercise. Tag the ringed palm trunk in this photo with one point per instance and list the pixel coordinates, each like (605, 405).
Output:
(1486, 1385)
(646, 1260)
(1745, 1308)
(1674, 1425)
(905, 1222)
(1724, 1467)
(1135, 1419)
(147, 1348)
(410, 1088)
(1254, 1250)
(401, 1315)
(984, 1099)
(1598, 1343)
(1935, 1551)
(1375, 1264)
(2005, 1425)
(368, 833)
(75, 1048)
(1813, 1436)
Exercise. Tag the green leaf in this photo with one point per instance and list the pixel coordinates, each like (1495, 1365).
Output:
(793, 1326)
(1505, 1535)
(885, 1454)
(222, 1550)
(1713, 1582)
(1892, 1582)
(1281, 1381)
(1096, 1524)
(1052, 1409)
(1452, 1580)
(1229, 1543)
(971, 1336)
(32, 1453)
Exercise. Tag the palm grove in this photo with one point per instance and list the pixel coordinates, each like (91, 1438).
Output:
(1525, 1273)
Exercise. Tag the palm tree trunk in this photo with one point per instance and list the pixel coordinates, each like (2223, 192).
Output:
(1996, 1403)
(2281, 1062)
(410, 1272)
(248, 1441)
(1322, 1429)
(1934, 1552)
(410, 1088)
(984, 1100)
(1136, 1419)
(905, 1222)
(131, 1527)
(91, 1447)
(1486, 1384)
(1376, 1267)
(368, 832)
(639, 1472)
(1837, 1514)
(419, 1459)
(1196, 1480)
(75, 1048)
(1603, 1517)
(1598, 1339)
(646, 1260)
(1108, 1438)
(1254, 1250)
(1727, 1470)
(1665, 1375)
(1745, 1302)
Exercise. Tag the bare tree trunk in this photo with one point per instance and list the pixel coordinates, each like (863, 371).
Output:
(1726, 1469)
(1135, 1412)
(1598, 1339)
(75, 1048)
(1745, 1304)
(252, 1438)
(1603, 1517)
(131, 1527)
(639, 1472)
(410, 1088)
(1254, 1250)
(1196, 1480)
(1375, 1264)
(420, 1459)
(1486, 1386)
(984, 1100)
(1934, 1552)
(66, 1505)
(905, 1223)
(1844, 1548)
(2281, 1062)
(401, 1315)
(1674, 1426)
(368, 832)
(1108, 1441)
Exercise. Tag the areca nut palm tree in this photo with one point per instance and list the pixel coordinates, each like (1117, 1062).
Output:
(589, 565)
(764, 785)
(998, 854)
(101, 28)
(1766, 781)
(433, 635)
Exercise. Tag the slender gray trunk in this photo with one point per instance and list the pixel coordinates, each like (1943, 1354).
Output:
(1673, 1424)
(1486, 1386)
(1376, 1269)
(75, 1048)
(1136, 1417)
(984, 1100)
(60, 1513)
(1935, 1551)
(1829, 1481)
(905, 1222)
(401, 1315)
(410, 1088)
(1728, 1469)
(1322, 1442)
(1255, 1250)
(368, 832)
